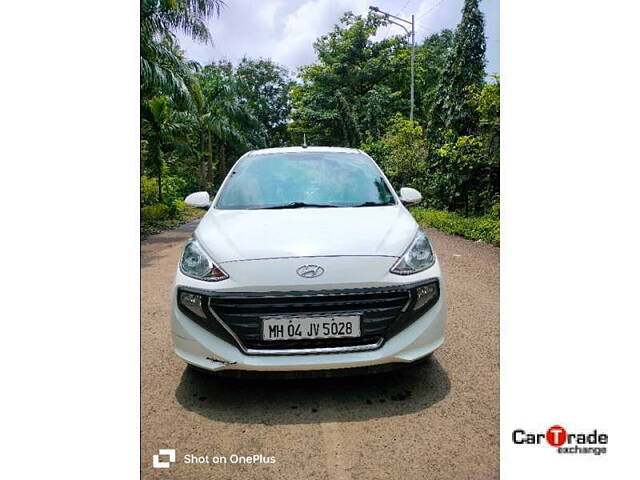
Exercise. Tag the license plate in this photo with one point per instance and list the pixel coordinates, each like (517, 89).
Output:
(306, 328)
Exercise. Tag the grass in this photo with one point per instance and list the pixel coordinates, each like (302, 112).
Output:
(485, 228)
(186, 215)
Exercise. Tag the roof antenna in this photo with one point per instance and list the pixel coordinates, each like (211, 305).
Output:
(304, 140)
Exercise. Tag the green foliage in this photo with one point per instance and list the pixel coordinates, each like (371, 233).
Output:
(148, 191)
(175, 208)
(463, 173)
(195, 121)
(174, 188)
(153, 213)
(485, 228)
(464, 68)
(378, 151)
(150, 226)
(265, 85)
(232, 111)
(467, 179)
(345, 97)
(163, 69)
(161, 125)
(162, 211)
(430, 62)
(355, 95)
(487, 102)
(401, 153)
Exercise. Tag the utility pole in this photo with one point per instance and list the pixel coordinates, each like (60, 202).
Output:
(388, 17)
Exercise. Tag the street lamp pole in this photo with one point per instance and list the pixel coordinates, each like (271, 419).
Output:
(412, 34)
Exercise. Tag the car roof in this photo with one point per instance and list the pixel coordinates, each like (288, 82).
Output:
(267, 151)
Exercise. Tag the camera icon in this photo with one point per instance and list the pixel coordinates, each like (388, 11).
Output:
(170, 452)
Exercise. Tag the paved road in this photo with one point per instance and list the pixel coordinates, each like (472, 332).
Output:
(439, 420)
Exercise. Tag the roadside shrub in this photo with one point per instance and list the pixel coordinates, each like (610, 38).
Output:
(495, 210)
(404, 150)
(485, 228)
(378, 151)
(173, 188)
(148, 191)
(466, 176)
(175, 208)
(154, 213)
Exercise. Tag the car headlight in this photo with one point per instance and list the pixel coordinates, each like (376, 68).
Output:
(419, 256)
(196, 263)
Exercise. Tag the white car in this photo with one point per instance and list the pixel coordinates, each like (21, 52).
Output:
(307, 259)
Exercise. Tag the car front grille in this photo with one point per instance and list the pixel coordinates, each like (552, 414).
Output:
(383, 310)
(243, 315)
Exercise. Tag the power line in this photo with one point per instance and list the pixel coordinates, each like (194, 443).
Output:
(431, 9)
(402, 9)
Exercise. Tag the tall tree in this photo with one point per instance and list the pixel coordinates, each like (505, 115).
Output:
(161, 126)
(431, 57)
(230, 124)
(464, 69)
(345, 97)
(162, 71)
(358, 84)
(264, 87)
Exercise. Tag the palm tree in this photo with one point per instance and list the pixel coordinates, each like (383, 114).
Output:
(224, 119)
(162, 125)
(162, 69)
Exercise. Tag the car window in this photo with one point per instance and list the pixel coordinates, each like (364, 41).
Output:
(282, 180)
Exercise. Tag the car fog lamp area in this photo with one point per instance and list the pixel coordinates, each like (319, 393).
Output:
(426, 294)
(192, 302)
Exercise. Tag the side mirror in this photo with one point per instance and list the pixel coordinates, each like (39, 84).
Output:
(198, 200)
(410, 196)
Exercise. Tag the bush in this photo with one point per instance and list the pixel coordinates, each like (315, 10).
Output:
(173, 188)
(157, 218)
(485, 228)
(494, 211)
(154, 213)
(175, 208)
(401, 153)
(148, 191)
(467, 177)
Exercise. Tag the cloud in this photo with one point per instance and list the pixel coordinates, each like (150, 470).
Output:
(285, 30)
(303, 26)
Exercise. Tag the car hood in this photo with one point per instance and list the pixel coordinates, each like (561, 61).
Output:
(230, 235)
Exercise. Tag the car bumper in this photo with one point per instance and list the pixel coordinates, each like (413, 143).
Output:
(203, 349)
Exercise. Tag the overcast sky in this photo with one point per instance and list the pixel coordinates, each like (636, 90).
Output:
(284, 30)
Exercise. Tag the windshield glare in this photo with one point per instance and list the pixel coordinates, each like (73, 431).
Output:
(300, 179)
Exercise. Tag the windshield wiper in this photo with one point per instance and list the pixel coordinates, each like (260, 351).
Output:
(300, 205)
(371, 204)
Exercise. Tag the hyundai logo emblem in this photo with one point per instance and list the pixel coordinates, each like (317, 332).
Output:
(310, 271)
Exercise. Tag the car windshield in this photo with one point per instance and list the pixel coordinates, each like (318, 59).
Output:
(305, 179)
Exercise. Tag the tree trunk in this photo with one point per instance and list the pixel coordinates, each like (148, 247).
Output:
(210, 162)
(222, 165)
(155, 153)
(142, 162)
(202, 182)
(159, 176)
